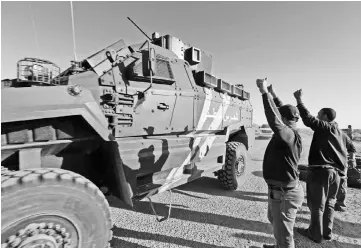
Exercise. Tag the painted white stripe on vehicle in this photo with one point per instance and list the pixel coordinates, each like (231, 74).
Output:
(207, 140)
(215, 125)
(202, 119)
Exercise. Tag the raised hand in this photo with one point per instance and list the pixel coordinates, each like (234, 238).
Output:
(272, 91)
(298, 94)
(262, 85)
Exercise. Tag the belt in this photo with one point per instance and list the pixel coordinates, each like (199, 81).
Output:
(280, 188)
(320, 167)
(339, 172)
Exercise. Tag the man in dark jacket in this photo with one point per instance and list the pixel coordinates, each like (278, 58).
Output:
(285, 194)
(327, 162)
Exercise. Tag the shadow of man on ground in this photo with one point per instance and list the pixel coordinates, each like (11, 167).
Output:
(211, 186)
(127, 233)
(205, 218)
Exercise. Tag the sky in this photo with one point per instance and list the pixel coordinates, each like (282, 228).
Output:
(315, 46)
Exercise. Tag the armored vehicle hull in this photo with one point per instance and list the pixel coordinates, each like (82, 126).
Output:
(132, 120)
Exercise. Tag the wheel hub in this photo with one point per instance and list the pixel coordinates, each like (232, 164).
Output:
(239, 166)
(39, 241)
(39, 235)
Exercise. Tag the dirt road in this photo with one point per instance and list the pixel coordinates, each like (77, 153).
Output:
(203, 215)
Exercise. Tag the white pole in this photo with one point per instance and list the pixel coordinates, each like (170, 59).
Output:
(34, 28)
(73, 26)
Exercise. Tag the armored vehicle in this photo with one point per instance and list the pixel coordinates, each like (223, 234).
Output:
(132, 120)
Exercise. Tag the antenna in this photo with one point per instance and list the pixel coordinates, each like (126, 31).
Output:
(73, 26)
(34, 27)
(139, 28)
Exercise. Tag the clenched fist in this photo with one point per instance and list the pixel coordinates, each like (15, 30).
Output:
(262, 85)
(272, 91)
(298, 94)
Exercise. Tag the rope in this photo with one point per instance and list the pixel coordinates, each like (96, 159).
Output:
(160, 219)
(73, 26)
(34, 29)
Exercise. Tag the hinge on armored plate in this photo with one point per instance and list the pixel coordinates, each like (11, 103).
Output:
(118, 99)
(121, 120)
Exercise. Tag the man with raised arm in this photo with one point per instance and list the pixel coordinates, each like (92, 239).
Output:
(285, 193)
(327, 162)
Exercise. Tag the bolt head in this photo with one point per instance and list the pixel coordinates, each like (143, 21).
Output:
(11, 238)
(66, 235)
(21, 232)
(75, 89)
(16, 242)
(42, 225)
(59, 239)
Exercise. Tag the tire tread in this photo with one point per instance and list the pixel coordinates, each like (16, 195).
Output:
(12, 181)
(225, 176)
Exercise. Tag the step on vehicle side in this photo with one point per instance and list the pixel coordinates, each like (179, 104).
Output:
(133, 120)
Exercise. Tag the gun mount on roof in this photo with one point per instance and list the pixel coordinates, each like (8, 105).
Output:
(198, 59)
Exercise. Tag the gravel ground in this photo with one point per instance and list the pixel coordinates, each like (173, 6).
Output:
(203, 215)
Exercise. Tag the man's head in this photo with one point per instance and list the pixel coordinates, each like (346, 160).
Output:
(290, 114)
(326, 114)
(349, 126)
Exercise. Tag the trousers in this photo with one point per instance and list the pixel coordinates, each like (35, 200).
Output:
(341, 193)
(322, 186)
(282, 209)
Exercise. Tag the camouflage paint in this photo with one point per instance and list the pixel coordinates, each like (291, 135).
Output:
(173, 135)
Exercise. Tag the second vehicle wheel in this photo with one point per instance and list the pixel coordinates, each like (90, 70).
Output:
(235, 168)
(52, 208)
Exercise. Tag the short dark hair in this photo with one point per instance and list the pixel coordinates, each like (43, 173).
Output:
(289, 112)
(330, 113)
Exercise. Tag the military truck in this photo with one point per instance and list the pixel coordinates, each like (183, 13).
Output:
(132, 120)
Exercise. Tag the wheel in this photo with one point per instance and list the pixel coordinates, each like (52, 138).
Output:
(354, 183)
(52, 208)
(354, 178)
(235, 168)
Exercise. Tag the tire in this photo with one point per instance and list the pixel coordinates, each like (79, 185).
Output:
(235, 168)
(354, 178)
(54, 207)
(354, 183)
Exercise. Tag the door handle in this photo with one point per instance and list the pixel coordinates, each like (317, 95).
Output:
(163, 106)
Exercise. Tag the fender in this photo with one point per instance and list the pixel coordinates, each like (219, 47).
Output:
(50, 102)
(238, 132)
(31, 103)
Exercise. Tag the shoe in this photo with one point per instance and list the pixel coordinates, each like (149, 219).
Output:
(269, 246)
(306, 233)
(328, 238)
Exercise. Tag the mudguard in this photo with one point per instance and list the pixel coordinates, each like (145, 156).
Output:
(240, 133)
(21, 104)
